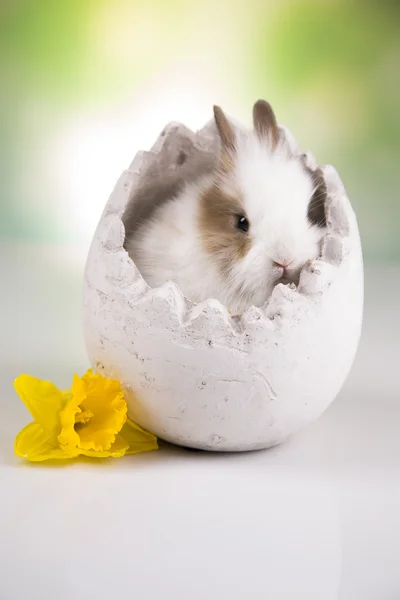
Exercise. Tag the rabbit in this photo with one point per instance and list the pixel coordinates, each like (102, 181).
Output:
(237, 231)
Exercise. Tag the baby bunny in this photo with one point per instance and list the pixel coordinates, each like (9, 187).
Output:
(236, 232)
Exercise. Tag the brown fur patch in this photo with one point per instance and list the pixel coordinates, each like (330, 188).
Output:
(217, 224)
(226, 162)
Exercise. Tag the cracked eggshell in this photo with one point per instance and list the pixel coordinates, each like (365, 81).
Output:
(193, 374)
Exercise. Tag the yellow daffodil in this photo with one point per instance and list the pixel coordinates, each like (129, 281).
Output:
(90, 419)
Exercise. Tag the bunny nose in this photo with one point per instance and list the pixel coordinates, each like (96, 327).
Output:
(282, 264)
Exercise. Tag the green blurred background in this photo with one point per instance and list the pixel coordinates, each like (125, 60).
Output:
(87, 83)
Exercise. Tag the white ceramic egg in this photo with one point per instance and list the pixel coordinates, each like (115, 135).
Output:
(193, 374)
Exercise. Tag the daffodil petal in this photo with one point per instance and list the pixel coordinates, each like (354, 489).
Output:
(43, 400)
(94, 453)
(37, 444)
(131, 425)
(117, 449)
(137, 438)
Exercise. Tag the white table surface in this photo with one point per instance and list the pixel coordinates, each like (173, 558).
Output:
(317, 518)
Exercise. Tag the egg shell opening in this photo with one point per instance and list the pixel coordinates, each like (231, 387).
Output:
(193, 374)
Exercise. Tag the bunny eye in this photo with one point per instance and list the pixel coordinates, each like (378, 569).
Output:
(242, 223)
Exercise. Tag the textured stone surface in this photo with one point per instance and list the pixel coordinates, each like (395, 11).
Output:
(193, 374)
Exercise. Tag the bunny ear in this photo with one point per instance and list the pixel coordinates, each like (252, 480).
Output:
(225, 129)
(316, 208)
(265, 122)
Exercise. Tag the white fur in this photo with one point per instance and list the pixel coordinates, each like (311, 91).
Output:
(169, 247)
(276, 192)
